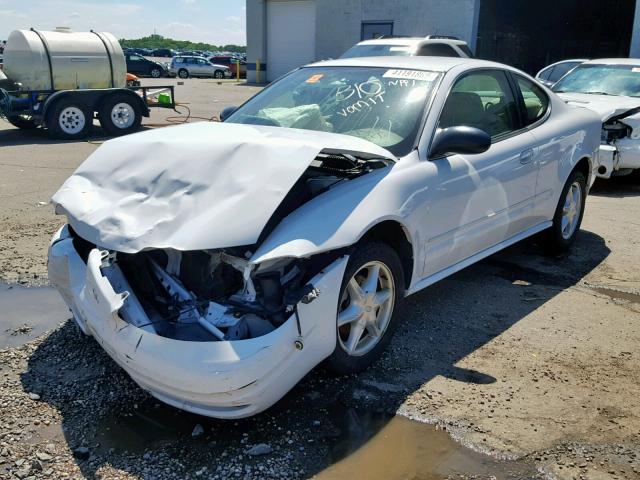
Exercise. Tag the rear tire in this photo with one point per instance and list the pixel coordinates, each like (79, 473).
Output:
(568, 216)
(23, 122)
(69, 120)
(365, 313)
(183, 73)
(120, 115)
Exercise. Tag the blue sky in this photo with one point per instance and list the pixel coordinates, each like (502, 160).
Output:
(213, 21)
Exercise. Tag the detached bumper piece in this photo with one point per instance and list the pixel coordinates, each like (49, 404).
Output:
(219, 377)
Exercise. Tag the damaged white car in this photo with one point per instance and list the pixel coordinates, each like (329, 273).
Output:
(610, 88)
(218, 263)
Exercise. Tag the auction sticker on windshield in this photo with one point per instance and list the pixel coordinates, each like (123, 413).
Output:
(411, 75)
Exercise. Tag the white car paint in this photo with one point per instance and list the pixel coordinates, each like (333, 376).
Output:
(206, 186)
(620, 155)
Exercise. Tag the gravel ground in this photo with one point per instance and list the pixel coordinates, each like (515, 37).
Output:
(521, 356)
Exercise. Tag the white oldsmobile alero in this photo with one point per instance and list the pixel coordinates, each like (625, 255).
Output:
(218, 263)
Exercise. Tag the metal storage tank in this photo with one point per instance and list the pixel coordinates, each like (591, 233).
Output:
(64, 60)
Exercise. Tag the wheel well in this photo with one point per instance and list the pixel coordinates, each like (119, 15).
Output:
(393, 234)
(583, 166)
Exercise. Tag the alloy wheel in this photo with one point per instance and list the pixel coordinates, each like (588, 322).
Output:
(366, 308)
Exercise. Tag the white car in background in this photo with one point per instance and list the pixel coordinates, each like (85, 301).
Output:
(218, 263)
(611, 88)
(554, 72)
(430, 46)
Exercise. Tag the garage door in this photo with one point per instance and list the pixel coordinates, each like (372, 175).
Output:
(291, 36)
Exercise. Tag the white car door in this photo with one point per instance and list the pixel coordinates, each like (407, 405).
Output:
(480, 200)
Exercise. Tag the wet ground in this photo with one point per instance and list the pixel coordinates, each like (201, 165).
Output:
(347, 443)
(27, 313)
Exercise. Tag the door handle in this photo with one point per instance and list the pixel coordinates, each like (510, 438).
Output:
(526, 157)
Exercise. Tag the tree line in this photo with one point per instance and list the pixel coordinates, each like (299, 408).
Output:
(158, 41)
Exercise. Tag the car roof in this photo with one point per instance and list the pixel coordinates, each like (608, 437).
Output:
(614, 61)
(411, 41)
(437, 64)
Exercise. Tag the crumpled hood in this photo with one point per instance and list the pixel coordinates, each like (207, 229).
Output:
(191, 187)
(606, 106)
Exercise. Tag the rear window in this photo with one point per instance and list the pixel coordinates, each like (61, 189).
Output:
(437, 50)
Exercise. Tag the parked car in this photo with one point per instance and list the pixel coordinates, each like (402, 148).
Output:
(218, 263)
(232, 63)
(611, 88)
(163, 52)
(430, 46)
(138, 65)
(184, 66)
(554, 72)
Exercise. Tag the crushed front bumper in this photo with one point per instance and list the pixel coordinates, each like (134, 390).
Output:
(224, 379)
(624, 154)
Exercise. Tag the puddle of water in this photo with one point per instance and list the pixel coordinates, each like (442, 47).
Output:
(361, 444)
(28, 312)
(381, 447)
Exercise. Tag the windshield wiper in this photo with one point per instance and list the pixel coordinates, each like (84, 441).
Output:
(601, 93)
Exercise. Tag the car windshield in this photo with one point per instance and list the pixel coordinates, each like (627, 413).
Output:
(602, 79)
(378, 50)
(381, 105)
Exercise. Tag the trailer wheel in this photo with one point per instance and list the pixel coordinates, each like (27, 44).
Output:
(120, 115)
(69, 119)
(24, 122)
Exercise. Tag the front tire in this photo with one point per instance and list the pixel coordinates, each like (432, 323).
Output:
(155, 72)
(183, 73)
(69, 120)
(219, 74)
(371, 288)
(568, 215)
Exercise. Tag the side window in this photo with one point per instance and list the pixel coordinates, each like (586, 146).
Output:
(482, 100)
(561, 70)
(536, 102)
(178, 60)
(202, 61)
(546, 73)
(135, 58)
(436, 50)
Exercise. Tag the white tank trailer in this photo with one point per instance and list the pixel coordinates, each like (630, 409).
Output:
(63, 60)
(62, 81)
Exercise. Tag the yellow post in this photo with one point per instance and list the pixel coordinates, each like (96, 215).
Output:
(258, 71)
(237, 70)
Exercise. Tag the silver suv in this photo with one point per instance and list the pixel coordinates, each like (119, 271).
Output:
(431, 46)
(185, 66)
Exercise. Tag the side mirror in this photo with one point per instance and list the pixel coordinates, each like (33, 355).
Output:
(464, 140)
(227, 112)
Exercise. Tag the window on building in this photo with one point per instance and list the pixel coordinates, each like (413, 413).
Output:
(372, 30)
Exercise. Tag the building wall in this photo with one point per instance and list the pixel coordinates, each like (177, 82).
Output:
(338, 24)
(339, 21)
(634, 50)
(256, 37)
